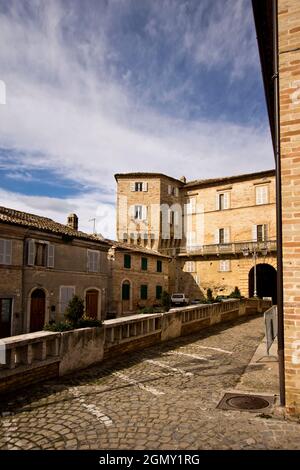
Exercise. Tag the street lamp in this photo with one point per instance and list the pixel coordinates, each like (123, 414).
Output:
(255, 251)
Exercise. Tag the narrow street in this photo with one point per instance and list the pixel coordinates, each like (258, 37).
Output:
(162, 398)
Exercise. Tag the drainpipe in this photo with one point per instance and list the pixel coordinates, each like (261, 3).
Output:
(278, 206)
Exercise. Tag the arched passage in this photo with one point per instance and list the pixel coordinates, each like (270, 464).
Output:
(266, 278)
(37, 310)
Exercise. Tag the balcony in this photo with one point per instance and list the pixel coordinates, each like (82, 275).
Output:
(230, 248)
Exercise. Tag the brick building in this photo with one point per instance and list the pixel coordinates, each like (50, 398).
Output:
(212, 228)
(278, 31)
(42, 265)
(138, 278)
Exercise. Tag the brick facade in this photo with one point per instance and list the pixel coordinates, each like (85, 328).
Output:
(289, 82)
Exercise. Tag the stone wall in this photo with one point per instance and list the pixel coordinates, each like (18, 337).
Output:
(38, 356)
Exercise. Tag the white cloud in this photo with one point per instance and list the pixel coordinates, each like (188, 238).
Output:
(66, 113)
(87, 207)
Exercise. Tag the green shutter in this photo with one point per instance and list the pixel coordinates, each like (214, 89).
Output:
(144, 264)
(127, 261)
(158, 292)
(159, 266)
(144, 292)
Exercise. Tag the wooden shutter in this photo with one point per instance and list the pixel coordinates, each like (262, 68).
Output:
(266, 234)
(226, 200)
(50, 256)
(217, 236)
(66, 294)
(254, 233)
(144, 212)
(5, 251)
(176, 192)
(264, 194)
(227, 235)
(193, 205)
(145, 186)
(132, 186)
(217, 201)
(169, 189)
(30, 252)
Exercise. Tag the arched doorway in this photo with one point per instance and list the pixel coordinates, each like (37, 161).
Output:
(91, 303)
(126, 295)
(37, 310)
(266, 278)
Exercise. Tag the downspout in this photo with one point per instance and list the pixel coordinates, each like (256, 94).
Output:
(278, 206)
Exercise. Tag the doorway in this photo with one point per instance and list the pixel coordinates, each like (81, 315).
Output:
(266, 281)
(126, 296)
(5, 317)
(37, 310)
(91, 302)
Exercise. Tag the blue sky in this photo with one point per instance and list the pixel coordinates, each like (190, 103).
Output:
(105, 86)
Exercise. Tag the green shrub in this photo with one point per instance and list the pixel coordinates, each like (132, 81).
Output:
(236, 293)
(86, 322)
(60, 326)
(209, 295)
(75, 310)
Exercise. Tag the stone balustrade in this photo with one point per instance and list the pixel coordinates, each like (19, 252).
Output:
(39, 356)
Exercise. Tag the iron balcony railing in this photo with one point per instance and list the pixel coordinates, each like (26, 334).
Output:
(262, 247)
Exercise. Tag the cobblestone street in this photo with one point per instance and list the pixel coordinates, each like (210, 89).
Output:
(162, 398)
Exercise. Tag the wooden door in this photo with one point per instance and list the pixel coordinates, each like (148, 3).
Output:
(37, 310)
(5, 317)
(92, 303)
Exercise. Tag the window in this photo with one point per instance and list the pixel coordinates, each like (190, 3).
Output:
(138, 186)
(40, 253)
(144, 264)
(5, 251)
(125, 237)
(225, 265)
(173, 191)
(138, 212)
(159, 266)
(223, 201)
(93, 261)
(190, 267)
(261, 195)
(222, 235)
(158, 292)
(127, 261)
(260, 232)
(144, 292)
(66, 294)
(125, 290)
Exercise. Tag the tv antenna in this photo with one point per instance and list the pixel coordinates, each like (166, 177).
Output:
(94, 224)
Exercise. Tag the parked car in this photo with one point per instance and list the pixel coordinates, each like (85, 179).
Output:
(179, 299)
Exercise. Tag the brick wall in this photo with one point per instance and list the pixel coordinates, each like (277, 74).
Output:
(289, 81)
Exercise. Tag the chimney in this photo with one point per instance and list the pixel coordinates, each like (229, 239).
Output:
(183, 179)
(73, 221)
